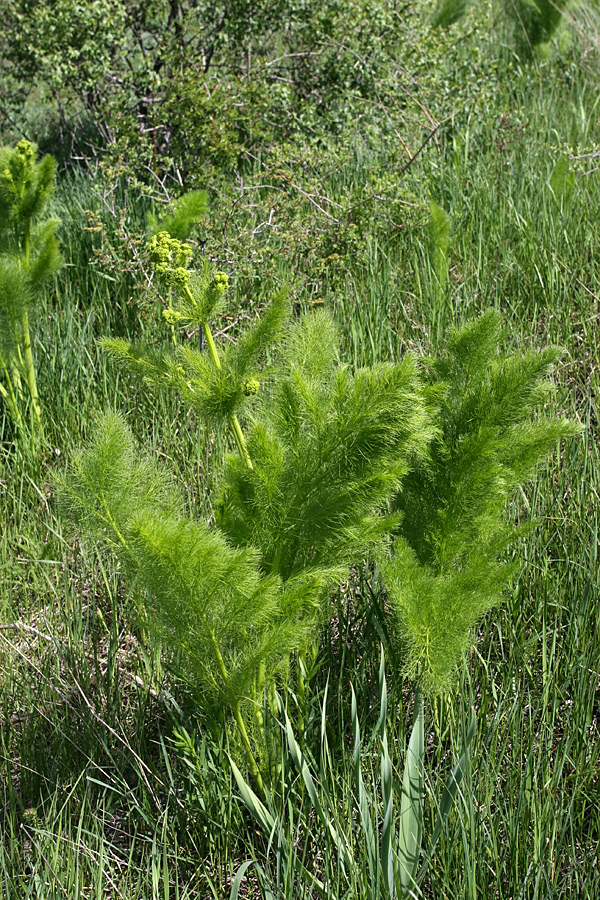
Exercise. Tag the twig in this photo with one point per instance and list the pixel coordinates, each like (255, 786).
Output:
(579, 282)
(29, 629)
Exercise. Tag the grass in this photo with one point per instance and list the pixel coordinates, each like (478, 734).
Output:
(99, 797)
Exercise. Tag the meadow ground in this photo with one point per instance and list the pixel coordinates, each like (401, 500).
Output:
(98, 795)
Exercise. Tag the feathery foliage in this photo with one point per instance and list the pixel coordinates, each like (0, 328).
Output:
(310, 490)
(29, 255)
(306, 496)
(203, 597)
(187, 212)
(445, 570)
(330, 449)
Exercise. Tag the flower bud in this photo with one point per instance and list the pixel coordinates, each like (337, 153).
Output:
(221, 281)
(170, 258)
(250, 387)
(180, 276)
(172, 316)
(25, 151)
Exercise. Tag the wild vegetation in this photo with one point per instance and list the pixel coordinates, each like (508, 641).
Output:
(299, 450)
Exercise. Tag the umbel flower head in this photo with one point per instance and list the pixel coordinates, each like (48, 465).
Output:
(250, 387)
(16, 167)
(172, 316)
(201, 294)
(170, 258)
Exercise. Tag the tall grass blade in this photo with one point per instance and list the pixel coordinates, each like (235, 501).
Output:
(411, 805)
(361, 794)
(449, 796)
(237, 881)
(388, 830)
(252, 803)
(299, 760)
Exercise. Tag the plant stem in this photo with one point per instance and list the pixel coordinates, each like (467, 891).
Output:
(233, 419)
(239, 439)
(27, 353)
(252, 764)
(276, 561)
(30, 370)
(235, 705)
(212, 349)
(260, 687)
(10, 397)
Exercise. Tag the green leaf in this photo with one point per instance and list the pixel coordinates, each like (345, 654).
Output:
(253, 804)
(411, 806)
(388, 829)
(270, 827)
(237, 881)
(302, 766)
(363, 800)
(449, 795)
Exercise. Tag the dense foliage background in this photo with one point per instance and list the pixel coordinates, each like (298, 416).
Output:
(406, 165)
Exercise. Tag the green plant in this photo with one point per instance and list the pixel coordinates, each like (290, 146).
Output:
(378, 846)
(443, 574)
(446, 568)
(304, 497)
(29, 255)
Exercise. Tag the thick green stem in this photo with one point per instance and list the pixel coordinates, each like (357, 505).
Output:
(260, 688)
(252, 764)
(27, 356)
(237, 713)
(30, 369)
(212, 349)
(10, 397)
(15, 377)
(276, 562)
(239, 439)
(233, 419)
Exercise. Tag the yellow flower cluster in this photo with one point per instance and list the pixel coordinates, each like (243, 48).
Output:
(170, 257)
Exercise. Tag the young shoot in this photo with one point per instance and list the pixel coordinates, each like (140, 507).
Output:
(29, 255)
